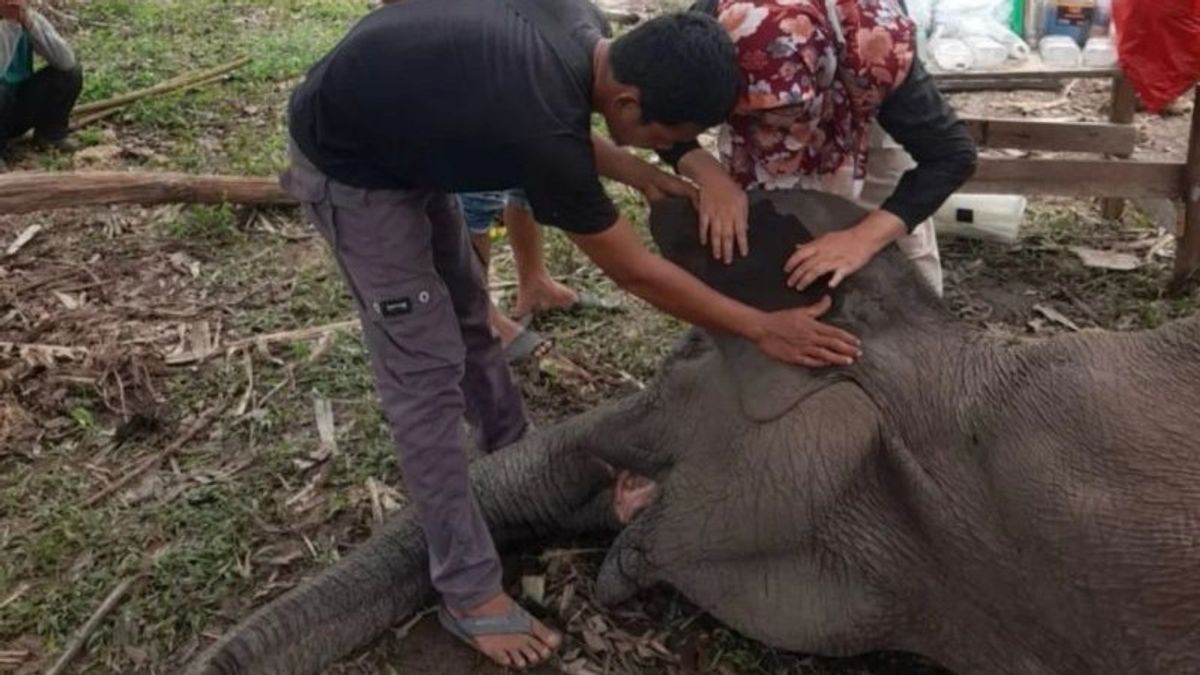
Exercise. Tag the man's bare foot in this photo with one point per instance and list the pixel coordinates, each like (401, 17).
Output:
(541, 293)
(512, 650)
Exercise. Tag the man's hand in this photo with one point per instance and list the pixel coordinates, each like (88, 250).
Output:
(797, 336)
(842, 253)
(724, 209)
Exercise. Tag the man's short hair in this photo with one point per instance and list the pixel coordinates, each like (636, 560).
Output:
(685, 67)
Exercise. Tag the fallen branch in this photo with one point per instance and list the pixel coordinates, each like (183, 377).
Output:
(93, 117)
(22, 192)
(81, 636)
(157, 458)
(178, 82)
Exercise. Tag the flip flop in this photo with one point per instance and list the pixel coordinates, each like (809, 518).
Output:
(516, 622)
(528, 344)
(586, 301)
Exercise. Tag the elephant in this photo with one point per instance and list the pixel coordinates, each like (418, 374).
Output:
(999, 505)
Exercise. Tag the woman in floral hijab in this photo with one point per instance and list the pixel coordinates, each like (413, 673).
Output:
(818, 74)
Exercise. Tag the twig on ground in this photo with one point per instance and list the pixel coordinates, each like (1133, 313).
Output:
(246, 396)
(157, 458)
(160, 88)
(407, 627)
(81, 636)
(26, 349)
(263, 340)
(15, 595)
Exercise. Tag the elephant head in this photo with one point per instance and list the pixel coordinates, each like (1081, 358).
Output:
(999, 506)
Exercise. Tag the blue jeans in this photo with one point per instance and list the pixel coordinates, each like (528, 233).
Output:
(481, 209)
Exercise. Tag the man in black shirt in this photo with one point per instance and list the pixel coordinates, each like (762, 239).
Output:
(424, 98)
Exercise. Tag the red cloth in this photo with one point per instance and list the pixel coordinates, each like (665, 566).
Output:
(1159, 46)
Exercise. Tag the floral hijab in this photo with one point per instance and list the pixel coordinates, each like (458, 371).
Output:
(813, 88)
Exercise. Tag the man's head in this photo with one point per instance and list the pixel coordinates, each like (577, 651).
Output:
(13, 10)
(667, 80)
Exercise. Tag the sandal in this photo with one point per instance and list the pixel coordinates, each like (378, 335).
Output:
(516, 622)
(529, 344)
(586, 301)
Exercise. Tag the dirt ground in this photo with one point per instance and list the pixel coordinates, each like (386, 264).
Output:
(165, 373)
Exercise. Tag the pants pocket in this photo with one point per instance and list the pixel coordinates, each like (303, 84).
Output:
(417, 325)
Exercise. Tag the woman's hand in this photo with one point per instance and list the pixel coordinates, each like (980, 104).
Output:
(843, 253)
(724, 217)
(724, 209)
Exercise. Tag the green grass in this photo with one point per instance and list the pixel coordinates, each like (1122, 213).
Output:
(233, 126)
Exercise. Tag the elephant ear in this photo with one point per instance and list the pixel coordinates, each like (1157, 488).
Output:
(779, 221)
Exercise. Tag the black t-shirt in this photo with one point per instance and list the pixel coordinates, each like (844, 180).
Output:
(461, 96)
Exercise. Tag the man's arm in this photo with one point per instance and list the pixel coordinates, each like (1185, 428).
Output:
(793, 336)
(627, 168)
(47, 43)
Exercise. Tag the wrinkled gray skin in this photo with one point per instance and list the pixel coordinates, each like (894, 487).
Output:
(998, 506)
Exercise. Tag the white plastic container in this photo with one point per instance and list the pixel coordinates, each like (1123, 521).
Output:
(1099, 52)
(990, 217)
(1059, 51)
(986, 53)
(951, 54)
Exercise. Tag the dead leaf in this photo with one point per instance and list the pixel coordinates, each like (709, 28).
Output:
(533, 587)
(1106, 260)
(68, 301)
(1056, 316)
(24, 238)
(594, 642)
(98, 154)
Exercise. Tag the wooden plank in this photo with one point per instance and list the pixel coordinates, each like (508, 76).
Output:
(950, 84)
(1187, 251)
(22, 192)
(1078, 178)
(1122, 111)
(1019, 134)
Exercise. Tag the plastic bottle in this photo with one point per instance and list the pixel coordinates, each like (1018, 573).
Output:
(1099, 52)
(1072, 18)
(1059, 51)
(986, 53)
(990, 217)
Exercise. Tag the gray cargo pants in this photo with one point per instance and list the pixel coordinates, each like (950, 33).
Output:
(420, 295)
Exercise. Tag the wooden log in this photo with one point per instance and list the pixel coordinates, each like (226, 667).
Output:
(160, 88)
(1187, 251)
(1123, 109)
(1018, 134)
(23, 192)
(1077, 178)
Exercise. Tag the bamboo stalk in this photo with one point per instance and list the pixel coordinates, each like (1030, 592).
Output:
(178, 82)
(92, 118)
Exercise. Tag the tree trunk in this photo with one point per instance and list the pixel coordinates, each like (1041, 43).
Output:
(23, 192)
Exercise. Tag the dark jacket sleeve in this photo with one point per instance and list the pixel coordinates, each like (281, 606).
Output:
(920, 119)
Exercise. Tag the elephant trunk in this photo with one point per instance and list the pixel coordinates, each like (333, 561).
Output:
(544, 486)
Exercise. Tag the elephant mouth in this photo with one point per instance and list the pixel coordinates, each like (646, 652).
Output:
(632, 493)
